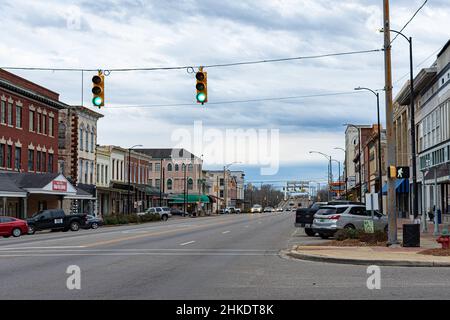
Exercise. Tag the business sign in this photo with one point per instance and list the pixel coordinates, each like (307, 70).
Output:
(59, 185)
(368, 226)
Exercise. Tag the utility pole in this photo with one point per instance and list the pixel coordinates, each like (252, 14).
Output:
(218, 188)
(392, 215)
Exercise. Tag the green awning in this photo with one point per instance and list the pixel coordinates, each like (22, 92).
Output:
(191, 198)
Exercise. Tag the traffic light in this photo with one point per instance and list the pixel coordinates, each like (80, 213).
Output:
(392, 172)
(201, 86)
(98, 90)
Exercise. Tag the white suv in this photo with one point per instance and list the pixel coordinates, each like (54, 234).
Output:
(163, 212)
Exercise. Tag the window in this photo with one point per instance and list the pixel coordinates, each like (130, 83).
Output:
(8, 156)
(157, 167)
(18, 117)
(92, 141)
(61, 135)
(2, 155)
(177, 167)
(10, 114)
(81, 138)
(87, 140)
(190, 184)
(3, 112)
(38, 123)
(44, 123)
(17, 159)
(169, 184)
(86, 172)
(98, 173)
(91, 174)
(358, 211)
(106, 174)
(30, 160)
(80, 174)
(150, 167)
(38, 161)
(158, 183)
(50, 163)
(190, 167)
(221, 182)
(169, 167)
(50, 126)
(43, 162)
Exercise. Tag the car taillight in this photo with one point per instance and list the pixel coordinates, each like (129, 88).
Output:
(336, 217)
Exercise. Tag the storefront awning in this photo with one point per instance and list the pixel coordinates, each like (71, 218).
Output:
(401, 186)
(191, 198)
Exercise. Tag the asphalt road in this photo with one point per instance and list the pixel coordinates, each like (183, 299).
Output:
(225, 257)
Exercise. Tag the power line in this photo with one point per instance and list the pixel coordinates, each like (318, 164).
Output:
(406, 24)
(191, 67)
(238, 101)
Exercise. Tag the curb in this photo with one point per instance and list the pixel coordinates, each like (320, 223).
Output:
(392, 263)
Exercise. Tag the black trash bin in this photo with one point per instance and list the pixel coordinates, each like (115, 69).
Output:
(411, 235)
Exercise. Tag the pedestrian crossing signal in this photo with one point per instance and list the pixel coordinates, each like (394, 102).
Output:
(201, 86)
(392, 172)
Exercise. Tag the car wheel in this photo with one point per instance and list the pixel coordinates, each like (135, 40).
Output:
(164, 217)
(16, 232)
(310, 232)
(94, 225)
(31, 230)
(324, 236)
(350, 226)
(74, 226)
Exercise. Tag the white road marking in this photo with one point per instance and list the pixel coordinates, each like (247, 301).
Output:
(226, 232)
(186, 243)
(32, 248)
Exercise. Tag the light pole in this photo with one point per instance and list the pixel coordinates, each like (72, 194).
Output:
(380, 173)
(129, 174)
(339, 175)
(330, 175)
(225, 191)
(345, 170)
(359, 158)
(414, 199)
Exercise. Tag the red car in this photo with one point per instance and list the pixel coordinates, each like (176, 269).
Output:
(12, 227)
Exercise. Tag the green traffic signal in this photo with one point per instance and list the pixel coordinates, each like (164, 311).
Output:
(201, 97)
(97, 101)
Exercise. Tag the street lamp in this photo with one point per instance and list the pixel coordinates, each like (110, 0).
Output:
(339, 175)
(359, 158)
(345, 169)
(225, 191)
(414, 199)
(330, 174)
(380, 174)
(129, 174)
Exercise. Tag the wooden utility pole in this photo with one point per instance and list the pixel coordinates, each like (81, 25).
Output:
(392, 214)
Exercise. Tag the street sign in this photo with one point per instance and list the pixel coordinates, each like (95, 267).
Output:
(402, 172)
(372, 201)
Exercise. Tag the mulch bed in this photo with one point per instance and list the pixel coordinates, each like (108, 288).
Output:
(350, 243)
(436, 252)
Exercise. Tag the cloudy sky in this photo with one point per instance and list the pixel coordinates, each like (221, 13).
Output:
(157, 108)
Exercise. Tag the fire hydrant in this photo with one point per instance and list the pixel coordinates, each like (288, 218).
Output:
(444, 239)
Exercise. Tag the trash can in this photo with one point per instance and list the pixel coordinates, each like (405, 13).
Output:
(411, 235)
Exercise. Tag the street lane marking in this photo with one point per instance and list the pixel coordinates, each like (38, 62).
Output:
(33, 248)
(186, 243)
(226, 232)
(138, 254)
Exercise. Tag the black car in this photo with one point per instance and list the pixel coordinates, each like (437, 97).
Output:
(92, 222)
(178, 212)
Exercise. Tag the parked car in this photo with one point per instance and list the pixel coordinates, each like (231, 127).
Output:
(55, 219)
(279, 209)
(256, 209)
(92, 222)
(329, 219)
(163, 212)
(10, 226)
(304, 216)
(178, 212)
(268, 209)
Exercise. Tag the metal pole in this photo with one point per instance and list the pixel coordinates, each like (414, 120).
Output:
(424, 211)
(413, 136)
(129, 174)
(160, 182)
(359, 165)
(380, 167)
(391, 143)
(218, 187)
(224, 189)
(436, 218)
(184, 193)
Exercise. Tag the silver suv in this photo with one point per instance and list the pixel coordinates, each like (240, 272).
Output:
(163, 212)
(330, 219)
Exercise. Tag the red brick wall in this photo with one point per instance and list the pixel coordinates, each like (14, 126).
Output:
(25, 137)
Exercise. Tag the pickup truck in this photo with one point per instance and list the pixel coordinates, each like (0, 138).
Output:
(55, 219)
(304, 217)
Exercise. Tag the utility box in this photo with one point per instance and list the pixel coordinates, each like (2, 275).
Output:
(411, 235)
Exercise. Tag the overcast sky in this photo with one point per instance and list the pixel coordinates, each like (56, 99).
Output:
(134, 33)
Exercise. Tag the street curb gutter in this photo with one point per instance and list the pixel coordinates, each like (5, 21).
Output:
(392, 263)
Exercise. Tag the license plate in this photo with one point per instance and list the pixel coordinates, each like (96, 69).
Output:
(58, 221)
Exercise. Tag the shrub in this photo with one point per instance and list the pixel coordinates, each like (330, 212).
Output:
(377, 236)
(133, 218)
(110, 220)
(347, 234)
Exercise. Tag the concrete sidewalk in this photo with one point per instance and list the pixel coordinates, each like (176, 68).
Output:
(383, 256)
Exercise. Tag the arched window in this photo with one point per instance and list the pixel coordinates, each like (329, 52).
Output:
(183, 167)
(87, 138)
(169, 184)
(190, 184)
(81, 137)
(169, 167)
(190, 167)
(177, 167)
